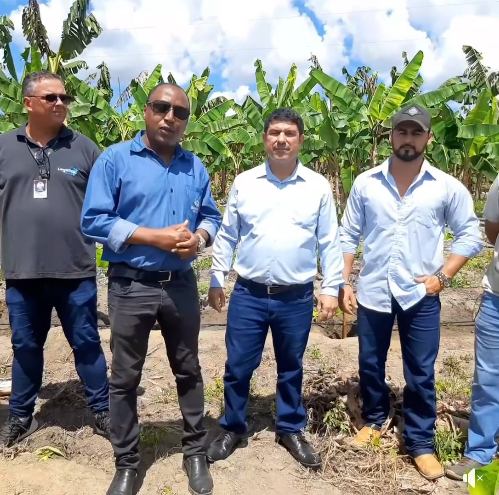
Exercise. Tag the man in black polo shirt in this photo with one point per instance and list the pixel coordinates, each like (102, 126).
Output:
(46, 260)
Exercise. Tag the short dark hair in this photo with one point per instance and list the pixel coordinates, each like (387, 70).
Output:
(285, 115)
(161, 85)
(35, 77)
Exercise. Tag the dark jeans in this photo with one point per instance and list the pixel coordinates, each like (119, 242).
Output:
(419, 331)
(134, 307)
(251, 312)
(30, 304)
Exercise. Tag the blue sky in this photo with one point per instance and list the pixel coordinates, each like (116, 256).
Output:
(187, 35)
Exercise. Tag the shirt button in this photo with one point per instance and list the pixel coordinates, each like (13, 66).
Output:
(171, 190)
(174, 212)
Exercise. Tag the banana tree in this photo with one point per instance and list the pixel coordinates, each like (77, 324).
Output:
(78, 31)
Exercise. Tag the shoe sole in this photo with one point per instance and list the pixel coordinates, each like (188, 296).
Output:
(240, 444)
(191, 491)
(315, 466)
(453, 476)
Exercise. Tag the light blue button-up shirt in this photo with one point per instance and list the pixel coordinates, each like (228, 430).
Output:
(131, 186)
(404, 237)
(279, 226)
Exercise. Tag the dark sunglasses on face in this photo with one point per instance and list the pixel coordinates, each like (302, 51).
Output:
(163, 107)
(52, 98)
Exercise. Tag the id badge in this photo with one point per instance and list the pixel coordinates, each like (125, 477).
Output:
(40, 188)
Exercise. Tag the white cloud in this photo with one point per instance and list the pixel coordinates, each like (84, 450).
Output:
(381, 31)
(186, 36)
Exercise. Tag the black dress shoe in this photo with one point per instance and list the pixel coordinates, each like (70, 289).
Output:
(200, 480)
(122, 483)
(300, 449)
(224, 445)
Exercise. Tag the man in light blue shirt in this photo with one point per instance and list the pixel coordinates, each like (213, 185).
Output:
(400, 209)
(149, 203)
(279, 213)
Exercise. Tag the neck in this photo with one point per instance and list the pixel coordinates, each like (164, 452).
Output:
(41, 134)
(406, 169)
(282, 170)
(165, 152)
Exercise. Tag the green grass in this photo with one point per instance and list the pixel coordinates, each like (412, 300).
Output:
(479, 206)
(203, 288)
(480, 262)
(449, 444)
(454, 384)
(460, 281)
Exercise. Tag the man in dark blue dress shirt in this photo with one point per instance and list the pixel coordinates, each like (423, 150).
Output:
(149, 203)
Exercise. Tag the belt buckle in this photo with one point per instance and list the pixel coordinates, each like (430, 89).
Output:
(270, 287)
(166, 279)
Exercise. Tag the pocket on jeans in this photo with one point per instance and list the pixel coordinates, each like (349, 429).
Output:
(120, 286)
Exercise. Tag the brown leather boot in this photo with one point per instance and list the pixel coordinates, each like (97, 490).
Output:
(365, 437)
(428, 466)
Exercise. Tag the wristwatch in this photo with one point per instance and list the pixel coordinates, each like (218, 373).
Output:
(201, 244)
(445, 281)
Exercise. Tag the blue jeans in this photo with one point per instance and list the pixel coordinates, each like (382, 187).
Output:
(251, 312)
(484, 417)
(30, 304)
(419, 331)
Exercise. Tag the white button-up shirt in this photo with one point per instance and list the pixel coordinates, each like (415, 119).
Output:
(404, 237)
(280, 226)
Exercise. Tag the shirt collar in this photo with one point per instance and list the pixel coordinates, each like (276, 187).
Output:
(299, 171)
(425, 168)
(64, 132)
(137, 145)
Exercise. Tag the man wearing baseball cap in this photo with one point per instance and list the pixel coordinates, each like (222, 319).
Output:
(400, 209)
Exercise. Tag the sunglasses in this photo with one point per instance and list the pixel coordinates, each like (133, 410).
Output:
(52, 98)
(163, 107)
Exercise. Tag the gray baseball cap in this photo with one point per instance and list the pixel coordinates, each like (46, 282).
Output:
(414, 113)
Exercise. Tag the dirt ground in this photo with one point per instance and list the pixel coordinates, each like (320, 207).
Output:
(86, 465)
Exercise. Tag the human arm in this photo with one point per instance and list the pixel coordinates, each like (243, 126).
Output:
(352, 225)
(491, 212)
(464, 224)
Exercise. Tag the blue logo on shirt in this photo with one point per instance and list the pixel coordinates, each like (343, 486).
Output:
(73, 171)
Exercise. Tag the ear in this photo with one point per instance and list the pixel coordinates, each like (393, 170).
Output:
(430, 137)
(302, 138)
(28, 103)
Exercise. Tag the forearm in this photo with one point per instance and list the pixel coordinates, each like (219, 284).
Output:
(348, 259)
(205, 235)
(453, 264)
(491, 231)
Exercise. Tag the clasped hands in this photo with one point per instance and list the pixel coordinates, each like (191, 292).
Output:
(179, 239)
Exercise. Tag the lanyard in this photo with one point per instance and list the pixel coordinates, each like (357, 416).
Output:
(41, 158)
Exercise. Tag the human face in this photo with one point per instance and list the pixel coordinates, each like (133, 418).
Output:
(409, 141)
(283, 142)
(39, 106)
(164, 128)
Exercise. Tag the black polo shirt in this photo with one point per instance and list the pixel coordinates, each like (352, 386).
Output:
(42, 238)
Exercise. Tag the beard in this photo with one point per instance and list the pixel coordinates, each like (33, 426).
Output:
(408, 154)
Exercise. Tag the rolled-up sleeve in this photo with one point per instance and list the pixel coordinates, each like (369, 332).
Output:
(99, 219)
(463, 222)
(225, 241)
(352, 222)
(209, 216)
(329, 246)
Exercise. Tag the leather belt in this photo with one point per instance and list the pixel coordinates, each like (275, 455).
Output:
(126, 271)
(271, 289)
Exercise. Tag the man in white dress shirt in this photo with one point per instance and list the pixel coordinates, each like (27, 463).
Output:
(400, 209)
(280, 213)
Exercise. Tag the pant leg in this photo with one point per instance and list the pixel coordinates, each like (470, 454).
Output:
(247, 328)
(481, 446)
(133, 308)
(180, 320)
(290, 322)
(76, 304)
(419, 329)
(29, 315)
(375, 332)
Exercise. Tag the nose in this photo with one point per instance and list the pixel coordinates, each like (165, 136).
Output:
(281, 138)
(169, 117)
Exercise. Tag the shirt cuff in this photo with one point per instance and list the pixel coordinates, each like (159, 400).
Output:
(121, 231)
(210, 228)
(217, 280)
(330, 291)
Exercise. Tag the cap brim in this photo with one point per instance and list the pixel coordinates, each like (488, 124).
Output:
(411, 119)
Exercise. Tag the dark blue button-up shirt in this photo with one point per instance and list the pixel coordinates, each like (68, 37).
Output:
(131, 186)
